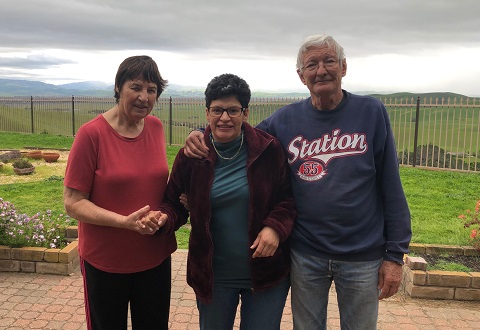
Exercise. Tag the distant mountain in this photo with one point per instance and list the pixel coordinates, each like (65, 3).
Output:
(13, 87)
(88, 85)
(183, 91)
(433, 95)
(174, 90)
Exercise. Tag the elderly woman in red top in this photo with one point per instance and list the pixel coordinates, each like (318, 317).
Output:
(241, 213)
(116, 171)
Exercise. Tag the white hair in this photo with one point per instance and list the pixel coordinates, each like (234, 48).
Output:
(319, 40)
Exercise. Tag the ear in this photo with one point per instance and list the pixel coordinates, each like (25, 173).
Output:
(344, 67)
(300, 75)
(206, 115)
(245, 114)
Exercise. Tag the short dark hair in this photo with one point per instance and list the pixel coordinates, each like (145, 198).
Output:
(141, 66)
(226, 85)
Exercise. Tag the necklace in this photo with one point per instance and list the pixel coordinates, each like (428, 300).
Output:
(218, 152)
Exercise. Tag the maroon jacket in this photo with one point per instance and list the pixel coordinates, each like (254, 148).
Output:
(271, 204)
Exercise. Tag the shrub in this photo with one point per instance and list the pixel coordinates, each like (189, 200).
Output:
(433, 156)
(471, 220)
(22, 163)
(42, 229)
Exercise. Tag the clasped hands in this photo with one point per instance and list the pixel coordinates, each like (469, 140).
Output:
(150, 222)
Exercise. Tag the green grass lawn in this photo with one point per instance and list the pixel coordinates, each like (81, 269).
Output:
(436, 198)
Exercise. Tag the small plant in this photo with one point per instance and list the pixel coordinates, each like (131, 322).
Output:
(42, 229)
(471, 220)
(54, 178)
(22, 163)
(449, 266)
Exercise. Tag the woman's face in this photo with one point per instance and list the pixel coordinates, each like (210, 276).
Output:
(137, 98)
(226, 128)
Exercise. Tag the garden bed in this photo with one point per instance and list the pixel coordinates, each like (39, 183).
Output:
(42, 260)
(421, 282)
(442, 261)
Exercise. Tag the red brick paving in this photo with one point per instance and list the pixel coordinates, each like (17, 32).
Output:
(39, 301)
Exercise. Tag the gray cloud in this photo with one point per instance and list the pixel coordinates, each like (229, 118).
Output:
(32, 62)
(248, 29)
(267, 27)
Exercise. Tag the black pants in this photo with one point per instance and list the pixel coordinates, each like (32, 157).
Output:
(107, 296)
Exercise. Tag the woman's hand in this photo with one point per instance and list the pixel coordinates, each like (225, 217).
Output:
(266, 243)
(151, 222)
(184, 200)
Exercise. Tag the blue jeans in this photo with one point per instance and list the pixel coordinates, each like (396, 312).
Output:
(259, 309)
(356, 285)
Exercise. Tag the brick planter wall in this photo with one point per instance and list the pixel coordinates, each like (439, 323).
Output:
(418, 282)
(42, 260)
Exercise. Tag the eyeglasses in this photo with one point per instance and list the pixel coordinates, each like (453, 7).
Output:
(329, 63)
(231, 112)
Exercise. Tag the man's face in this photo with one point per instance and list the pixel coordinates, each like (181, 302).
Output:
(322, 72)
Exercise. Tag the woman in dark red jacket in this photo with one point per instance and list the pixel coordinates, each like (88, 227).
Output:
(241, 213)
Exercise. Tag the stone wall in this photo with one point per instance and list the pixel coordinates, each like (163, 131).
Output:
(418, 282)
(42, 260)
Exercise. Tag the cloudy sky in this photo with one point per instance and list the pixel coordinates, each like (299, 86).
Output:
(391, 45)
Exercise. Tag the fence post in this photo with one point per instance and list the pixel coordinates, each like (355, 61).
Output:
(415, 139)
(31, 113)
(73, 115)
(170, 126)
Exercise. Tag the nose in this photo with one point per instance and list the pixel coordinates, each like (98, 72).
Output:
(143, 95)
(225, 116)
(321, 70)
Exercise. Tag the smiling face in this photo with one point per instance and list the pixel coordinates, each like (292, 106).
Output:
(322, 72)
(225, 128)
(137, 99)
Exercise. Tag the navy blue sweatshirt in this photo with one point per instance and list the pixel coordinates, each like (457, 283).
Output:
(347, 189)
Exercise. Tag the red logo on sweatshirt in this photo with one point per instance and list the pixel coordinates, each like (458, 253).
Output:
(311, 171)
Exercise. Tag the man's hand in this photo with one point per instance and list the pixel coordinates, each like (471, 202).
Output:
(389, 279)
(195, 146)
(266, 243)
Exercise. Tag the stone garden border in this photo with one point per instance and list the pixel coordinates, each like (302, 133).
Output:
(42, 260)
(418, 282)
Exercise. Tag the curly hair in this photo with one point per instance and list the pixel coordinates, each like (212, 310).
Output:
(226, 85)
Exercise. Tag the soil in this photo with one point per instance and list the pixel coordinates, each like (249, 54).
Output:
(469, 261)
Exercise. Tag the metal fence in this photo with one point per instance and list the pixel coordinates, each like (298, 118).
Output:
(433, 133)
(437, 133)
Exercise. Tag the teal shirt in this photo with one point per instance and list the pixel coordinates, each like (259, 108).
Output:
(229, 223)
